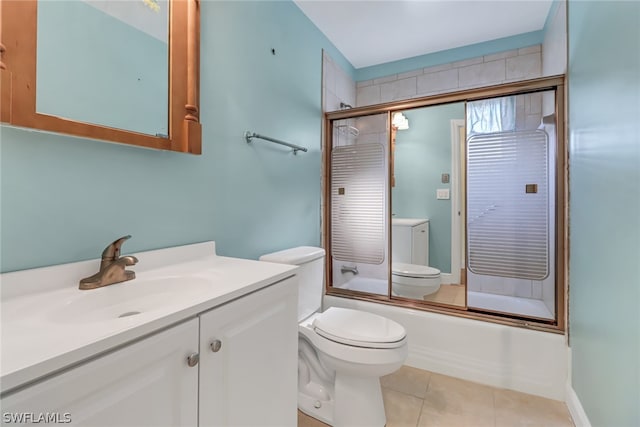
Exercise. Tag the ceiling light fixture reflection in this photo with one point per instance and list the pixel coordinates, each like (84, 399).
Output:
(400, 122)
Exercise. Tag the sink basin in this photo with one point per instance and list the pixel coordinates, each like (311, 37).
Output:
(131, 298)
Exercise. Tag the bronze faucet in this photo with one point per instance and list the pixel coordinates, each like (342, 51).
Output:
(112, 267)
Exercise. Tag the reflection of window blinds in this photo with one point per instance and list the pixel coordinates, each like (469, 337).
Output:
(507, 222)
(357, 203)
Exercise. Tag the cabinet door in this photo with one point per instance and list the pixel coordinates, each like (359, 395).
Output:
(147, 383)
(401, 245)
(420, 244)
(251, 378)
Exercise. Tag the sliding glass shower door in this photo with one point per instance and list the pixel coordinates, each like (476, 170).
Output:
(510, 206)
(359, 197)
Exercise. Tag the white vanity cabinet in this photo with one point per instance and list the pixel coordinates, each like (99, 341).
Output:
(249, 361)
(410, 241)
(148, 383)
(234, 365)
(140, 353)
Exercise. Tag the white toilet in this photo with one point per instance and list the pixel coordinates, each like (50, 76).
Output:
(411, 276)
(342, 353)
(413, 280)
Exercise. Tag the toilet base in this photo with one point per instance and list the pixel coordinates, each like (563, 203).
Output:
(358, 402)
(415, 292)
(319, 409)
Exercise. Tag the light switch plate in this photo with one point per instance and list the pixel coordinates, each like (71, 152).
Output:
(442, 194)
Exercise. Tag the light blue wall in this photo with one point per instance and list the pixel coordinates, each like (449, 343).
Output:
(604, 149)
(450, 55)
(95, 68)
(422, 155)
(64, 199)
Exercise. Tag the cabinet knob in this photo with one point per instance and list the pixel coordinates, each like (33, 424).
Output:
(216, 345)
(193, 359)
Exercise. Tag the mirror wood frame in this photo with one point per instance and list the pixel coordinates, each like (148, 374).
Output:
(18, 53)
(555, 83)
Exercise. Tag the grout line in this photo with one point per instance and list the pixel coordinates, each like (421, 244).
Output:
(420, 414)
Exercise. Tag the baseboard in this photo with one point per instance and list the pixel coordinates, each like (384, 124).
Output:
(576, 410)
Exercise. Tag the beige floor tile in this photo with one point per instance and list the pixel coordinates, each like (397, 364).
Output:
(305, 420)
(408, 380)
(430, 419)
(453, 402)
(519, 409)
(460, 296)
(402, 410)
(445, 295)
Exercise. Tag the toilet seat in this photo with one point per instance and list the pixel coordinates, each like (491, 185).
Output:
(413, 270)
(359, 329)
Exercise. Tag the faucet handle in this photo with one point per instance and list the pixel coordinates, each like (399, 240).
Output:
(112, 252)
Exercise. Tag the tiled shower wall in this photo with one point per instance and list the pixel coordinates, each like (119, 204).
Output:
(503, 67)
(337, 86)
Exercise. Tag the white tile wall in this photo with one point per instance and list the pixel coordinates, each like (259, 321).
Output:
(368, 95)
(398, 89)
(502, 67)
(554, 51)
(337, 86)
(438, 81)
(524, 66)
(482, 74)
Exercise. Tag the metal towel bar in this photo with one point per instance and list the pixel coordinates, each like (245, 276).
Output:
(248, 135)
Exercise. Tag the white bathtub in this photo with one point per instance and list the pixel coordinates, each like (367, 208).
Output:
(367, 284)
(502, 356)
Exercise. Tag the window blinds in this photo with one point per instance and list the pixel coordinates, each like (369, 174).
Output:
(358, 203)
(507, 204)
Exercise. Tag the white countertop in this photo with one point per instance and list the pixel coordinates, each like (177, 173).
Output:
(40, 333)
(409, 222)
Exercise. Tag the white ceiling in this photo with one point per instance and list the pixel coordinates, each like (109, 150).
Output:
(370, 32)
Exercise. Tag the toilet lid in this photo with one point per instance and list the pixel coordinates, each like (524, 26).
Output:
(413, 270)
(359, 328)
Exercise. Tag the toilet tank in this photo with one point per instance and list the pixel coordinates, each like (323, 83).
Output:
(410, 240)
(310, 261)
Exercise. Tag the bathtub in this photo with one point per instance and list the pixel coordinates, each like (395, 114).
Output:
(367, 284)
(509, 357)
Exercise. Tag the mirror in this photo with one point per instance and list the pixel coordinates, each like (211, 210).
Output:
(426, 203)
(372, 181)
(53, 80)
(114, 67)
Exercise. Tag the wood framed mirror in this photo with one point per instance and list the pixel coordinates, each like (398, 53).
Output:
(19, 78)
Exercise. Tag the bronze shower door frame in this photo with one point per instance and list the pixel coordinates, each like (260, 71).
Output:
(555, 83)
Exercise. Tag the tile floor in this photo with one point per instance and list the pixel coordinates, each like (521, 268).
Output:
(417, 398)
(448, 294)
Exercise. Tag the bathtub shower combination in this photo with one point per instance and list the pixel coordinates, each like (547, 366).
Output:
(447, 211)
